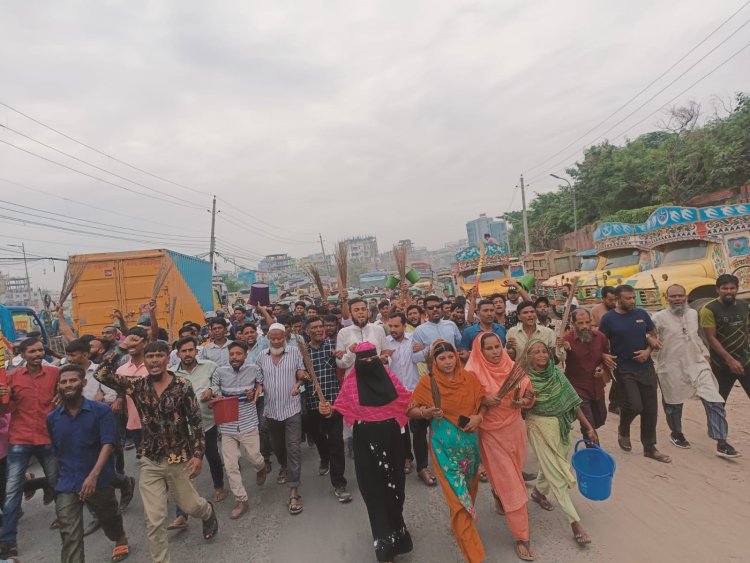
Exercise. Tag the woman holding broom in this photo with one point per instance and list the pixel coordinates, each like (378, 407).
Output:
(548, 425)
(374, 402)
(451, 398)
(502, 434)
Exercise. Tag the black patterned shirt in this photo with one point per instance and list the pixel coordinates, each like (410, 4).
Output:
(324, 364)
(172, 423)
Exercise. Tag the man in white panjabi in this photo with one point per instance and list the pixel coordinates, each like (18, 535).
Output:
(684, 372)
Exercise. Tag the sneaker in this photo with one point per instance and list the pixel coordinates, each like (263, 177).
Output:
(724, 449)
(343, 495)
(129, 445)
(324, 469)
(679, 441)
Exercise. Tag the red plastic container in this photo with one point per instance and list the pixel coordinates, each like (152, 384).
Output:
(226, 409)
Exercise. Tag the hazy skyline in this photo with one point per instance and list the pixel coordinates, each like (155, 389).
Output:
(398, 119)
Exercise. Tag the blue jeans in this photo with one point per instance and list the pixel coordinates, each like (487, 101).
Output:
(18, 461)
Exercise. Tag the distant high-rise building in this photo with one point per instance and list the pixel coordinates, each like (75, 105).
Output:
(477, 228)
(363, 248)
(276, 263)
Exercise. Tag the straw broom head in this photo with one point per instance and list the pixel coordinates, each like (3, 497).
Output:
(341, 256)
(399, 256)
(161, 277)
(312, 269)
(72, 274)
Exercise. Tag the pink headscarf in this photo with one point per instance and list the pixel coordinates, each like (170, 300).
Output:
(349, 406)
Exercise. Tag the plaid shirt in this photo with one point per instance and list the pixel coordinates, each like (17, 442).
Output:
(324, 364)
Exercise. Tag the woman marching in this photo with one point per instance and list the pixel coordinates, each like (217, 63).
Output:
(548, 424)
(451, 398)
(502, 435)
(374, 402)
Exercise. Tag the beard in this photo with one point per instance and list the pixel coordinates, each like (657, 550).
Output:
(584, 336)
(276, 350)
(360, 323)
(156, 376)
(678, 310)
(728, 299)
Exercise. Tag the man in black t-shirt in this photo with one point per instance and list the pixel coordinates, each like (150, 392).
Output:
(725, 321)
(632, 339)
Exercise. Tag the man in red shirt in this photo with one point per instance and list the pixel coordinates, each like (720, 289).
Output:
(586, 366)
(31, 390)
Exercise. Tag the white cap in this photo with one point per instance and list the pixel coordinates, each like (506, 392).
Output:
(277, 326)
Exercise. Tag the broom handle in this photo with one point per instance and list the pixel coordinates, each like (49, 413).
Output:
(3, 373)
(308, 365)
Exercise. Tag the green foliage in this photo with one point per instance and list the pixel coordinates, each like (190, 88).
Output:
(625, 183)
(631, 215)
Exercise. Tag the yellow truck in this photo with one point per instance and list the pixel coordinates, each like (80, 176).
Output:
(125, 281)
(621, 251)
(694, 245)
(497, 268)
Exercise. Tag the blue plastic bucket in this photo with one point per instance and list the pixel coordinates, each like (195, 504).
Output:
(594, 469)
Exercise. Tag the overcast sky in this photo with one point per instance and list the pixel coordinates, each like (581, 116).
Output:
(396, 118)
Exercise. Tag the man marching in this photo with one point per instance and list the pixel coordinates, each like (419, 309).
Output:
(684, 371)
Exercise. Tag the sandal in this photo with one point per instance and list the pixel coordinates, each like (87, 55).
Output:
(658, 456)
(498, 504)
(407, 467)
(526, 554)
(294, 505)
(482, 473)
(28, 495)
(210, 526)
(429, 479)
(541, 500)
(582, 538)
(281, 479)
(120, 552)
(179, 523)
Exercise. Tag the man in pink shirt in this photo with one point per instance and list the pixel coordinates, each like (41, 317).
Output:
(135, 367)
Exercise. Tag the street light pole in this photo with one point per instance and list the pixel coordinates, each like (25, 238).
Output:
(575, 210)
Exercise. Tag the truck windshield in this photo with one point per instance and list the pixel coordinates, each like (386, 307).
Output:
(623, 257)
(486, 276)
(25, 323)
(684, 251)
(588, 263)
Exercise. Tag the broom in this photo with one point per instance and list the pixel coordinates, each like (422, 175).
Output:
(309, 366)
(341, 256)
(164, 269)
(72, 274)
(172, 311)
(399, 256)
(513, 380)
(314, 273)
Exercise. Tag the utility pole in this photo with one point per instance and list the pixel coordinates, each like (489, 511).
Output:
(572, 188)
(325, 258)
(22, 246)
(212, 250)
(525, 218)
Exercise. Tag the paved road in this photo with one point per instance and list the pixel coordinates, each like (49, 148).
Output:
(657, 512)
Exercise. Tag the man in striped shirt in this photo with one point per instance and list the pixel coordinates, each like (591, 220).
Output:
(240, 380)
(281, 372)
(326, 425)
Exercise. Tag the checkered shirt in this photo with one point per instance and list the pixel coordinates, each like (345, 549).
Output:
(324, 364)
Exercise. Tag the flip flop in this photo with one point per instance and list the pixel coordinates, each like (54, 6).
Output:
(582, 538)
(541, 500)
(282, 478)
(527, 555)
(179, 523)
(120, 553)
